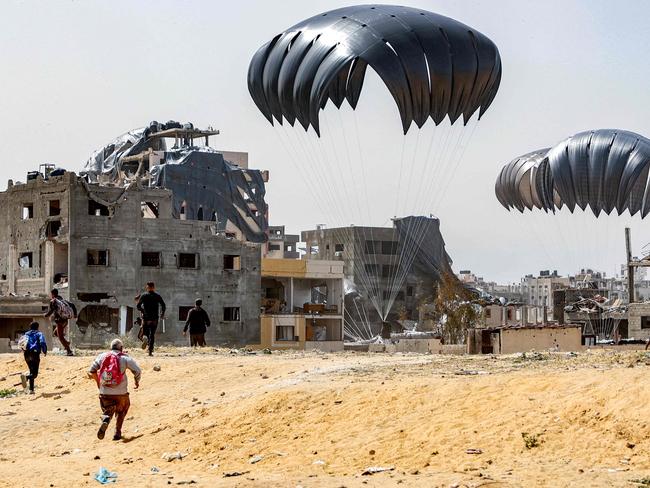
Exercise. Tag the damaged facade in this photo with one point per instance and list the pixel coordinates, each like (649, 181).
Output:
(100, 237)
(375, 252)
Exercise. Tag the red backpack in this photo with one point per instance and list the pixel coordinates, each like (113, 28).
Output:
(109, 371)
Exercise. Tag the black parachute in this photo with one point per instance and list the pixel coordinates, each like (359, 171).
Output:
(432, 65)
(605, 169)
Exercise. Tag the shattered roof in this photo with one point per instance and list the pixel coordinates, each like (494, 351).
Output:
(205, 186)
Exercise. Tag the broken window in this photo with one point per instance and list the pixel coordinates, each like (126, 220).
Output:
(188, 260)
(231, 314)
(488, 313)
(182, 313)
(389, 247)
(97, 209)
(274, 247)
(149, 210)
(231, 262)
(338, 247)
(151, 259)
(372, 269)
(183, 211)
(26, 260)
(54, 208)
(645, 322)
(387, 271)
(52, 228)
(28, 211)
(284, 333)
(3, 277)
(398, 297)
(409, 291)
(199, 214)
(373, 247)
(97, 257)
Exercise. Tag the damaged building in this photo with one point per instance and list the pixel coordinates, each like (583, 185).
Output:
(375, 255)
(183, 216)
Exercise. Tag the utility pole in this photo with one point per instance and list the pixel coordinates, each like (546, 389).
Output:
(630, 268)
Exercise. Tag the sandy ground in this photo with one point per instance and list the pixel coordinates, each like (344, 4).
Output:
(319, 420)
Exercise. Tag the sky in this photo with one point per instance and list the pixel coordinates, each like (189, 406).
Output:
(77, 74)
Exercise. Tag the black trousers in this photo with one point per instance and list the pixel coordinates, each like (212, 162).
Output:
(33, 360)
(149, 328)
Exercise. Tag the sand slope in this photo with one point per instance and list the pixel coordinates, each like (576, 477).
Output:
(320, 420)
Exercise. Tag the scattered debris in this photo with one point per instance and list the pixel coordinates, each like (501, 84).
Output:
(7, 392)
(156, 367)
(319, 462)
(172, 456)
(473, 451)
(255, 459)
(376, 469)
(470, 372)
(642, 481)
(630, 445)
(155, 469)
(235, 473)
(104, 476)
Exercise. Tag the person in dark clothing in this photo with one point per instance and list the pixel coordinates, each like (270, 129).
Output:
(55, 310)
(152, 307)
(197, 321)
(34, 345)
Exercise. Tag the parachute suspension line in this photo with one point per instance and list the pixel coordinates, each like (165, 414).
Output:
(344, 235)
(359, 206)
(368, 273)
(465, 141)
(362, 159)
(394, 269)
(308, 181)
(415, 235)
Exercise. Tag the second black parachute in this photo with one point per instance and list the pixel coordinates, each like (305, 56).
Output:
(432, 65)
(605, 169)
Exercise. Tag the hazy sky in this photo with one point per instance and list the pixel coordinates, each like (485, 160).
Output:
(77, 74)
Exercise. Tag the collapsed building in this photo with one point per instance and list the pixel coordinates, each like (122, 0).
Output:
(374, 256)
(188, 217)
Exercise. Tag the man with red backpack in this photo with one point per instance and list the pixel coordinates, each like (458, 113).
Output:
(109, 371)
(61, 311)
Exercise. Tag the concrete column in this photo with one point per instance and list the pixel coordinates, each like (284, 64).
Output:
(48, 265)
(290, 295)
(12, 266)
(123, 316)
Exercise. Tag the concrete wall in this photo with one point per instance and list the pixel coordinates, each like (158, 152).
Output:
(125, 234)
(636, 312)
(19, 235)
(522, 340)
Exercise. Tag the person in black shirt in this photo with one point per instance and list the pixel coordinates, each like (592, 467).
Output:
(152, 307)
(197, 321)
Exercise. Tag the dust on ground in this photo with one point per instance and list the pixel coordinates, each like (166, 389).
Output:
(321, 420)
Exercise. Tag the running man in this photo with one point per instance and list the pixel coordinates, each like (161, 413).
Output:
(109, 371)
(197, 321)
(152, 307)
(34, 345)
(61, 311)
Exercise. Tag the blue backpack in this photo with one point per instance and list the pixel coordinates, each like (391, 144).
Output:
(33, 342)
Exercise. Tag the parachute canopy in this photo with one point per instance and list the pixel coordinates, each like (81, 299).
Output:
(432, 65)
(603, 169)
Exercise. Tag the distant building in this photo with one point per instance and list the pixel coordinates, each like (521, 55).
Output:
(302, 303)
(538, 290)
(524, 338)
(281, 245)
(141, 212)
(376, 274)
